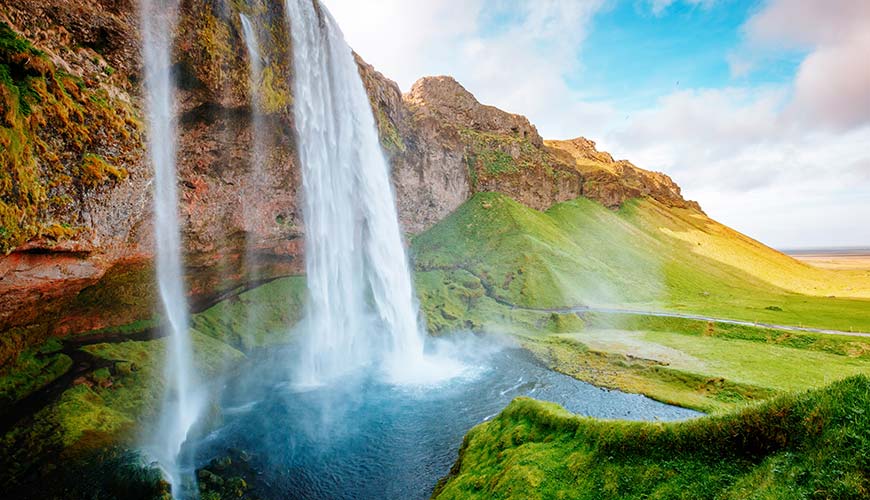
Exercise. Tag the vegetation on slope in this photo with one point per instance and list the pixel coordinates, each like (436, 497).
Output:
(108, 407)
(710, 369)
(644, 256)
(810, 445)
(257, 317)
(496, 265)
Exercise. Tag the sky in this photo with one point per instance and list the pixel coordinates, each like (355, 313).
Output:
(758, 109)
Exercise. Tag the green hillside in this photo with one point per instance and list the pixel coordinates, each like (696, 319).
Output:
(810, 445)
(498, 266)
(643, 256)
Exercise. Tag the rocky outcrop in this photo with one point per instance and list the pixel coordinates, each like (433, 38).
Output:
(612, 182)
(500, 151)
(429, 171)
(445, 99)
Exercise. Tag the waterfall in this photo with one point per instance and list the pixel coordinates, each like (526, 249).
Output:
(182, 404)
(361, 308)
(255, 179)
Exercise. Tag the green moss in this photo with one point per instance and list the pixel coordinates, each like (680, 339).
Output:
(126, 291)
(257, 317)
(390, 138)
(471, 164)
(96, 170)
(46, 113)
(812, 445)
(448, 299)
(32, 370)
(561, 323)
(495, 155)
(11, 44)
(273, 92)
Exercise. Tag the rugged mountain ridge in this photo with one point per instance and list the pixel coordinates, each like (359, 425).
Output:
(81, 259)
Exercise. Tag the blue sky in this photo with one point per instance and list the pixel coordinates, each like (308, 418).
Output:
(759, 109)
(632, 56)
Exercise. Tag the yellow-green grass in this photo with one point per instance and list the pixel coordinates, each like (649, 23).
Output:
(644, 256)
(32, 370)
(703, 365)
(800, 446)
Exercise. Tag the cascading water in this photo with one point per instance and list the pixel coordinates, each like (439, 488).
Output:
(253, 49)
(255, 179)
(183, 402)
(361, 308)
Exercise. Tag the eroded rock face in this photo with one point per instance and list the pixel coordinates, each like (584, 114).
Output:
(500, 151)
(448, 101)
(87, 263)
(429, 171)
(612, 182)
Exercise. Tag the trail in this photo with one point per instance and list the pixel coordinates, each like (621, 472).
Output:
(669, 314)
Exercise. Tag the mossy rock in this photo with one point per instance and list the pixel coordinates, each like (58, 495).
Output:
(52, 125)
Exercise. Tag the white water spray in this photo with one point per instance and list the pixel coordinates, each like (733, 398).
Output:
(183, 402)
(361, 309)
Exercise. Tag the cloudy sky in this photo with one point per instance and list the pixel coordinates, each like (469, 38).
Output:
(759, 109)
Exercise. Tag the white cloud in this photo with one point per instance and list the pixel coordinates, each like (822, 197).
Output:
(832, 83)
(407, 39)
(788, 164)
(738, 151)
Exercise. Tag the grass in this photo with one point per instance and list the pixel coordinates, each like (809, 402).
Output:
(644, 256)
(809, 445)
(694, 371)
(494, 253)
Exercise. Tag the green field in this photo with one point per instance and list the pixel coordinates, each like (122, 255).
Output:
(496, 265)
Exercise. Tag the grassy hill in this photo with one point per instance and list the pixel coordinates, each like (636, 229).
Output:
(809, 445)
(645, 256)
(497, 265)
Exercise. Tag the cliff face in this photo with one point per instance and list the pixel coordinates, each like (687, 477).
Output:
(75, 200)
(79, 246)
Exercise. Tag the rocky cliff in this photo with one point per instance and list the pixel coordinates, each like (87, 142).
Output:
(75, 209)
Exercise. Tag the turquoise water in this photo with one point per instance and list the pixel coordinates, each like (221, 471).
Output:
(368, 439)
